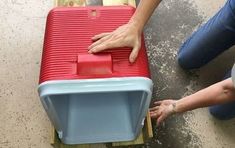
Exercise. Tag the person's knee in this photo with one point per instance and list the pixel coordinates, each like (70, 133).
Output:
(215, 113)
(182, 61)
(186, 55)
(218, 113)
(185, 62)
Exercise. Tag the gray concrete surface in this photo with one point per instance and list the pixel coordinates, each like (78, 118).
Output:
(23, 122)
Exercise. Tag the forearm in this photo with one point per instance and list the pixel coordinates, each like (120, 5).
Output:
(218, 93)
(143, 13)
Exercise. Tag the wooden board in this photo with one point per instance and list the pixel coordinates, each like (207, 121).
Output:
(70, 3)
(119, 2)
(148, 126)
(139, 140)
(147, 132)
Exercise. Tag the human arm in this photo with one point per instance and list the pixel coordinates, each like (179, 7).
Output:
(128, 35)
(219, 93)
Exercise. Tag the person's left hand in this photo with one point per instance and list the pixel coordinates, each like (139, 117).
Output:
(162, 110)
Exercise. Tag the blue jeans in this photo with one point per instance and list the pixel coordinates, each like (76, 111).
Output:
(213, 38)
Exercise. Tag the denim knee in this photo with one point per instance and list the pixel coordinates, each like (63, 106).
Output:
(186, 62)
(219, 113)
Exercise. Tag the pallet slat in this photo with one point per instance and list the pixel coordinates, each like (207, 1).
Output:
(119, 2)
(70, 3)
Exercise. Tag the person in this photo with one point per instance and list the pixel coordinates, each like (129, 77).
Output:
(210, 40)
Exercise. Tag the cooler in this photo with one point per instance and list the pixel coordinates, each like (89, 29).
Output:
(92, 98)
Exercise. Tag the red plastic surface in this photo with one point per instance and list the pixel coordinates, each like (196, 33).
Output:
(68, 35)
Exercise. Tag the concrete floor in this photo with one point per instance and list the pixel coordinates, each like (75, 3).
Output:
(23, 122)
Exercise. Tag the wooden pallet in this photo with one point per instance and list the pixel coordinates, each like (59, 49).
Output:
(147, 132)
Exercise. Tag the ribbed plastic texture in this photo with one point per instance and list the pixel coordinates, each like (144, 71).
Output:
(68, 35)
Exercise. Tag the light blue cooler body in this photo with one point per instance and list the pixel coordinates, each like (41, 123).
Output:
(97, 110)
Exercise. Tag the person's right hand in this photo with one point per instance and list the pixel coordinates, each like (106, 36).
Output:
(127, 35)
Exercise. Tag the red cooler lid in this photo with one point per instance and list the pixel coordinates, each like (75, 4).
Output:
(68, 35)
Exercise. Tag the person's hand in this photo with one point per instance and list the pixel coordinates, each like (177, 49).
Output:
(127, 35)
(162, 110)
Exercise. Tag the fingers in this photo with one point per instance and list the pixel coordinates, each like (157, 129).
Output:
(159, 116)
(98, 36)
(134, 53)
(156, 111)
(99, 48)
(92, 48)
(159, 113)
(153, 114)
(154, 108)
(158, 103)
(156, 114)
(160, 119)
(108, 44)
